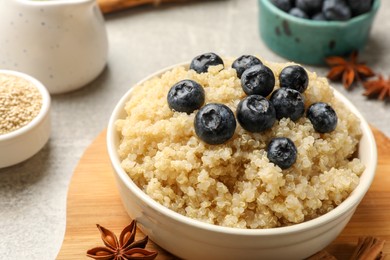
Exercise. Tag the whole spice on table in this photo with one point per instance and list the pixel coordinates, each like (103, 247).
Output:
(20, 102)
(349, 70)
(108, 6)
(379, 87)
(368, 248)
(122, 249)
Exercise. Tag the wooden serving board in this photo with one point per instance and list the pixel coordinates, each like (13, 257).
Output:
(94, 199)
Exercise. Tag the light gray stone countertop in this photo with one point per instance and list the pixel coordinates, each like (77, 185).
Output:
(142, 40)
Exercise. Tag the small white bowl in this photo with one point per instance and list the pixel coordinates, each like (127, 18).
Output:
(21, 144)
(191, 239)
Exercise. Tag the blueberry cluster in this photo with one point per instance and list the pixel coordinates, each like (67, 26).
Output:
(324, 10)
(216, 123)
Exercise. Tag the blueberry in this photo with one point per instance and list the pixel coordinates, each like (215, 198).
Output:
(318, 17)
(282, 152)
(298, 13)
(245, 62)
(336, 10)
(255, 113)
(284, 5)
(258, 80)
(288, 103)
(202, 62)
(186, 96)
(310, 7)
(322, 116)
(215, 123)
(359, 6)
(294, 77)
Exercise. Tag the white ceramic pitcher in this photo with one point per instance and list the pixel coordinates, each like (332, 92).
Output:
(62, 43)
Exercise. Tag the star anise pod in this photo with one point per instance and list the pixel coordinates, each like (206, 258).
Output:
(122, 249)
(349, 70)
(379, 87)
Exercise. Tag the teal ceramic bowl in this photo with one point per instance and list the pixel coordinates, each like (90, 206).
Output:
(310, 42)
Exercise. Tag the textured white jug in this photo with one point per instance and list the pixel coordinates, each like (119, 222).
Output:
(62, 43)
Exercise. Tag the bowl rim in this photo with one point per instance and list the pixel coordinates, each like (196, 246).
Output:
(46, 100)
(349, 203)
(315, 23)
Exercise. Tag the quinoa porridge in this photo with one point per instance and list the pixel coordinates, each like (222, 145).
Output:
(234, 184)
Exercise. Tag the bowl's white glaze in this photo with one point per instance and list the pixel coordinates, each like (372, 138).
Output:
(21, 144)
(192, 239)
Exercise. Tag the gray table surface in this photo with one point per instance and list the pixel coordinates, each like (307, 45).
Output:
(142, 40)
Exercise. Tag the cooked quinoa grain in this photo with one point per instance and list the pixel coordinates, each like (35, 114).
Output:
(234, 184)
(20, 102)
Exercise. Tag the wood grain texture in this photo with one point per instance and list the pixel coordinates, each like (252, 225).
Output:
(93, 199)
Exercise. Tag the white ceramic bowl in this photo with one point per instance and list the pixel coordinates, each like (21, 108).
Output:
(21, 144)
(192, 239)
